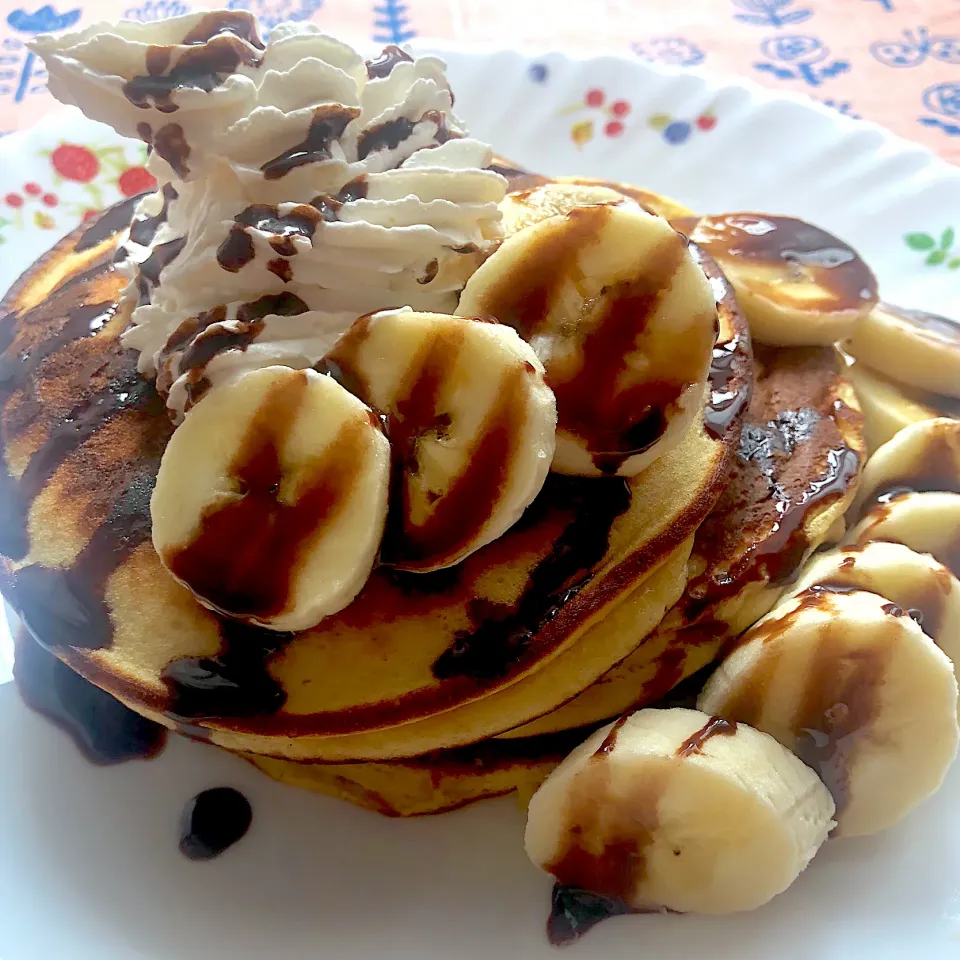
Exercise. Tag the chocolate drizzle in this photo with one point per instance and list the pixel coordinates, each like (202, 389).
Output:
(222, 42)
(497, 644)
(143, 231)
(714, 727)
(104, 730)
(233, 683)
(148, 276)
(327, 125)
(384, 64)
(108, 224)
(390, 134)
(213, 821)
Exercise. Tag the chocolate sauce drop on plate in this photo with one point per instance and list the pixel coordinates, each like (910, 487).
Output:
(574, 912)
(105, 730)
(213, 821)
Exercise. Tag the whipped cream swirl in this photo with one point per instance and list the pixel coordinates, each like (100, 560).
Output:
(301, 187)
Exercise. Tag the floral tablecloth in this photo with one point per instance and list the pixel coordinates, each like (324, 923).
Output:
(893, 61)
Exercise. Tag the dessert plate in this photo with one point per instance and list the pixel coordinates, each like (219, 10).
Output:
(89, 866)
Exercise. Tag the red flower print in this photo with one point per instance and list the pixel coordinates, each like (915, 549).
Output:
(14, 200)
(614, 128)
(136, 180)
(594, 98)
(50, 199)
(620, 108)
(74, 162)
(33, 189)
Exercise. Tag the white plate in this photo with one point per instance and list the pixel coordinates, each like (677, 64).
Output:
(89, 868)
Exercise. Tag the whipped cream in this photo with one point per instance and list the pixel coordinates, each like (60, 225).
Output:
(301, 187)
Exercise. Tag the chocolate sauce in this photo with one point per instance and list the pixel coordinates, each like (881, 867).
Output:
(891, 609)
(224, 562)
(494, 646)
(149, 271)
(104, 730)
(236, 251)
(143, 231)
(327, 125)
(390, 134)
(714, 727)
(610, 740)
(847, 281)
(281, 268)
(329, 205)
(573, 912)
(517, 178)
(108, 224)
(384, 64)
(233, 683)
(171, 145)
(223, 42)
(67, 607)
(213, 821)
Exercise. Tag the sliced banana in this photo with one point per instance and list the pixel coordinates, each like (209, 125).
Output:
(919, 349)
(658, 203)
(472, 427)
(925, 522)
(915, 582)
(271, 498)
(524, 208)
(796, 284)
(888, 407)
(624, 320)
(922, 456)
(857, 690)
(670, 808)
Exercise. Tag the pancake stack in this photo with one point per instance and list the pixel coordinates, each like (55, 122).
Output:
(432, 690)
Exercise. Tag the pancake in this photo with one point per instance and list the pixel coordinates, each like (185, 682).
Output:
(83, 435)
(435, 783)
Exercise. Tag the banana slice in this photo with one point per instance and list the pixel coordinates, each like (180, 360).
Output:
(624, 320)
(272, 496)
(922, 456)
(919, 349)
(857, 690)
(915, 582)
(472, 428)
(796, 284)
(925, 522)
(523, 208)
(657, 203)
(888, 407)
(674, 809)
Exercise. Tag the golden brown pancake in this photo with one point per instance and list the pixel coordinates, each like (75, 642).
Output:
(83, 434)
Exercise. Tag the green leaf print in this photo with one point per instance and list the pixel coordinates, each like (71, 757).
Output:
(920, 241)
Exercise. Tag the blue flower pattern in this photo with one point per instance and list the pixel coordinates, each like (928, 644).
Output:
(885, 5)
(943, 99)
(154, 10)
(841, 106)
(392, 22)
(20, 72)
(770, 13)
(799, 58)
(673, 50)
(915, 47)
